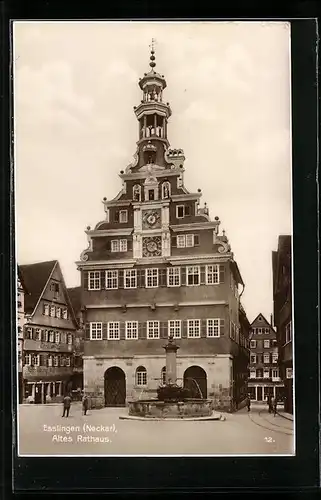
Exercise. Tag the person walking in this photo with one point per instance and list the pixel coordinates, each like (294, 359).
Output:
(248, 403)
(84, 404)
(67, 404)
(273, 404)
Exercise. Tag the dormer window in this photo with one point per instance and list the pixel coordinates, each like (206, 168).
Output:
(137, 192)
(123, 216)
(166, 190)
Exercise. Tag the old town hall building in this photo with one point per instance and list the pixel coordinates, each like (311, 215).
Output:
(158, 266)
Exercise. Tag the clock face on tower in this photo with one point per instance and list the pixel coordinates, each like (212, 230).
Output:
(151, 219)
(152, 246)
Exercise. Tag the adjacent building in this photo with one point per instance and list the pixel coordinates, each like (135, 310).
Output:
(21, 292)
(282, 297)
(158, 266)
(264, 374)
(49, 333)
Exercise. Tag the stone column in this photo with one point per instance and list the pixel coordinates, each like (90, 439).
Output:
(171, 368)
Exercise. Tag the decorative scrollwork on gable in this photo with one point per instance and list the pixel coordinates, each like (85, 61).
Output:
(134, 162)
(223, 246)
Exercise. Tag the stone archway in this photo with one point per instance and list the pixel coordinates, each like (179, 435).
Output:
(115, 387)
(195, 380)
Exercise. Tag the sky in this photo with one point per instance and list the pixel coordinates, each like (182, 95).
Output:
(228, 84)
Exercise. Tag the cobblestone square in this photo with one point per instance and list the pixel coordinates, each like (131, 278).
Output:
(102, 432)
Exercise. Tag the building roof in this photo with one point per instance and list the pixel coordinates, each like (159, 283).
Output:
(35, 277)
(22, 282)
(75, 298)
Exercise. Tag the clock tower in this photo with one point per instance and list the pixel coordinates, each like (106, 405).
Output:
(157, 265)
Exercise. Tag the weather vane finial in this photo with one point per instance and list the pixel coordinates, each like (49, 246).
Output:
(152, 45)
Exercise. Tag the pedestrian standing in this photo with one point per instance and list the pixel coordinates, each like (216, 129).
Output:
(269, 402)
(274, 403)
(248, 403)
(84, 404)
(66, 403)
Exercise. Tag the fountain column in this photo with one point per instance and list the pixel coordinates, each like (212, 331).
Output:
(171, 368)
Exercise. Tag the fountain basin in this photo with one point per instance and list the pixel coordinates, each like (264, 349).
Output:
(153, 408)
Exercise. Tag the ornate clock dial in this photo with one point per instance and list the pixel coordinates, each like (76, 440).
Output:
(152, 246)
(151, 219)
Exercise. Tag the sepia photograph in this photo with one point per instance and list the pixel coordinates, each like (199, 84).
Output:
(153, 214)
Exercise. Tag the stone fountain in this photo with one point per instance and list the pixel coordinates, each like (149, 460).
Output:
(173, 401)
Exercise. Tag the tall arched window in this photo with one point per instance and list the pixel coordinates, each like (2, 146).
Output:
(137, 192)
(166, 190)
(163, 375)
(141, 376)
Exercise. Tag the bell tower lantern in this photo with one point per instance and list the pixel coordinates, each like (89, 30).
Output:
(152, 115)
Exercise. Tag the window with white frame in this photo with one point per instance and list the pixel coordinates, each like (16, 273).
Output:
(289, 373)
(259, 373)
(130, 278)
(253, 358)
(180, 211)
(266, 344)
(174, 328)
(119, 245)
(267, 330)
(252, 373)
(69, 338)
(28, 359)
(193, 328)
(123, 216)
(274, 357)
(38, 334)
(94, 280)
(111, 279)
(62, 361)
(46, 310)
(96, 331)
(266, 358)
(266, 373)
(67, 361)
(113, 330)
(180, 241)
(189, 240)
(57, 337)
(56, 360)
(51, 336)
(153, 329)
(259, 331)
(288, 332)
(58, 312)
(36, 360)
(141, 376)
(173, 276)
(275, 373)
(65, 313)
(213, 327)
(151, 278)
(253, 344)
(193, 275)
(212, 275)
(131, 330)
(49, 360)
(52, 311)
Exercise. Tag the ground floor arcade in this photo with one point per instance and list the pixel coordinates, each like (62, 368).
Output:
(260, 392)
(113, 382)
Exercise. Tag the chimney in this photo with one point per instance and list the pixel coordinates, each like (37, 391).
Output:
(271, 320)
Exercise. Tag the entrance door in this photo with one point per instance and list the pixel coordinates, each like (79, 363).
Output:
(259, 393)
(38, 394)
(196, 381)
(115, 387)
